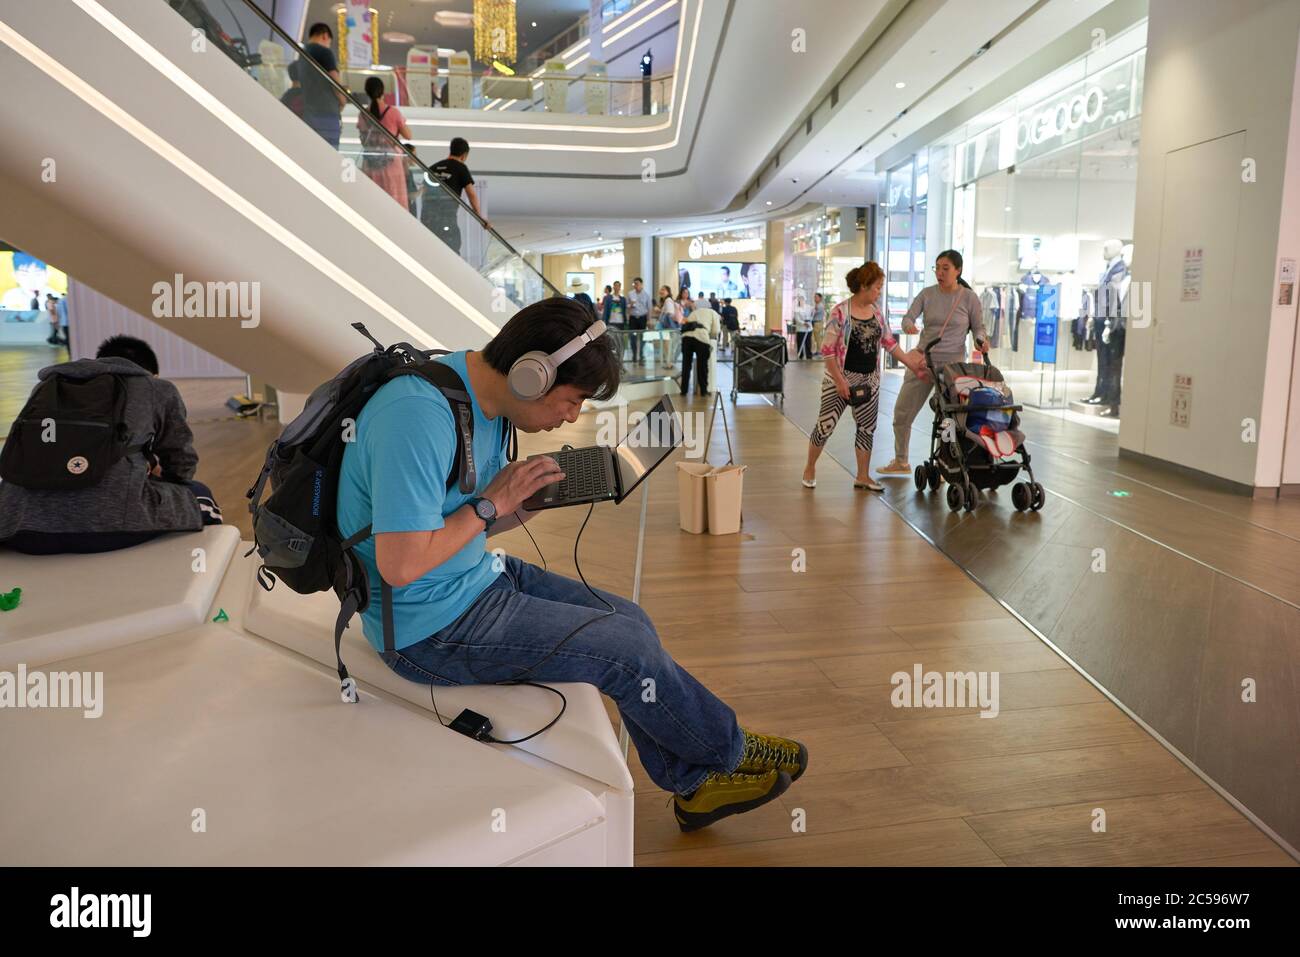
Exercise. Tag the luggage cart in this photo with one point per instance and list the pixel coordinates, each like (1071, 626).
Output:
(758, 366)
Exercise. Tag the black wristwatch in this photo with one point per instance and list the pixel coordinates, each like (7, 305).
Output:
(485, 510)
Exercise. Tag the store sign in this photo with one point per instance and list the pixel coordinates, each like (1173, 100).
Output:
(1045, 329)
(600, 262)
(1099, 102)
(1080, 110)
(699, 248)
(360, 43)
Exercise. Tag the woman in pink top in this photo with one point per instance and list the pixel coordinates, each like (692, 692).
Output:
(381, 160)
(855, 332)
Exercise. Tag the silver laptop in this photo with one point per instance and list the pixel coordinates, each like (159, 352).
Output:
(598, 473)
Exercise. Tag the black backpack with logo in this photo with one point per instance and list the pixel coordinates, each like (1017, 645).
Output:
(69, 434)
(296, 529)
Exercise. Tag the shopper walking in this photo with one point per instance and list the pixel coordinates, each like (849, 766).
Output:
(381, 159)
(818, 320)
(638, 314)
(802, 327)
(950, 310)
(670, 317)
(855, 331)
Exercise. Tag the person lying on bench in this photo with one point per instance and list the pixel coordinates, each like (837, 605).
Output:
(463, 616)
(59, 496)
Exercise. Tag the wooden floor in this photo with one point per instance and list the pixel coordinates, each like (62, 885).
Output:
(809, 654)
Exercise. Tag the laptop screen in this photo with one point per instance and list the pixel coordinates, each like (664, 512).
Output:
(647, 444)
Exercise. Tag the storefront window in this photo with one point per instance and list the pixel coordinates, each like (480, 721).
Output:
(1041, 206)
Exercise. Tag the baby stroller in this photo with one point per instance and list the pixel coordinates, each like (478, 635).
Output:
(976, 442)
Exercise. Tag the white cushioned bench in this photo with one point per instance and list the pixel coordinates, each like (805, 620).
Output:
(583, 740)
(79, 604)
(285, 774)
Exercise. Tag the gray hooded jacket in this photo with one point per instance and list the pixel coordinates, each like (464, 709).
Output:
(127, 499)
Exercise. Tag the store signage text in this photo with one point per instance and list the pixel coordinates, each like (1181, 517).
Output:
(599, 262)
(1071, 114)
(699, 247)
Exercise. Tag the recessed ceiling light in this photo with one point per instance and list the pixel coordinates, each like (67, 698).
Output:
(395, 37)
(454, 18)
(645, 220)
(1006, 209)
(769, 202)
(899, 85)
(534, 23)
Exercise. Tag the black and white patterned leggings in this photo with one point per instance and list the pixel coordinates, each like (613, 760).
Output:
(833, 407)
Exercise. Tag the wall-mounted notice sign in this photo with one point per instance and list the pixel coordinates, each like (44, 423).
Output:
(1193, 268)
(1286, 284)
(1180, 413)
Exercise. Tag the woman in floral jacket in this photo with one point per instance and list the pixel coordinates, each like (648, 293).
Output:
(855, 331)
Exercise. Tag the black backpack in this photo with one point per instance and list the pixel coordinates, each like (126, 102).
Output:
(69, 434)
(296, 530)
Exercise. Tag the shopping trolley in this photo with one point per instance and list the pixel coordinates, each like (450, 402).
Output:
(758, 366)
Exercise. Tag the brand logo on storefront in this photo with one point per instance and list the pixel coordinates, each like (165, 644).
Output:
(1062, 117)
(598, 262)
(699, 247)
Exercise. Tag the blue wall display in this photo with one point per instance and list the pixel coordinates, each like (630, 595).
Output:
(1049, 301)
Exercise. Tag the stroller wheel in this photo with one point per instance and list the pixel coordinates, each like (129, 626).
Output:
(972, 497)
(936, 477)
(920, 476)
(1039, 496)
(1021, 496)
(956, 497)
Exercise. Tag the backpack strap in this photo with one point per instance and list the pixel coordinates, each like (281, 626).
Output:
(445, 379)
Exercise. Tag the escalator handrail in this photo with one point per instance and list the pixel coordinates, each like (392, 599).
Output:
(429, 177)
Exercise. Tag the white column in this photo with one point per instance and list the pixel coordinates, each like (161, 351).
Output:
(1218, 174)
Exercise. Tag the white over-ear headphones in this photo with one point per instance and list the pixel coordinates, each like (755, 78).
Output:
(533, 373)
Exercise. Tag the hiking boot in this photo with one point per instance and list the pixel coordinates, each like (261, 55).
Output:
(722, 795)
(895, 468)
(766, 752)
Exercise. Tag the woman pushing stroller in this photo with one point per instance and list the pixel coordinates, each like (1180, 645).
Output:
(855, 331)
(951, 309)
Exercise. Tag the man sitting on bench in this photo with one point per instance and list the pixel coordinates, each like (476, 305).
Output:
(461, 616)
(149, 490)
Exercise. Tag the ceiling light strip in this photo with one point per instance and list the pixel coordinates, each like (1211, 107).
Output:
(649, 16)
(146, 137)
(627, 13)
(277, 156)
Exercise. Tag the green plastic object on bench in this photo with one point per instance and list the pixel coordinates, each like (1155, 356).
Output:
(9, 600)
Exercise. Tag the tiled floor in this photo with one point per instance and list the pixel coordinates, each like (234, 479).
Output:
(1172, 596)
(810, 654)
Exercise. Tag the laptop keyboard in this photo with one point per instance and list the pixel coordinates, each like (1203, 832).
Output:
(584, 473)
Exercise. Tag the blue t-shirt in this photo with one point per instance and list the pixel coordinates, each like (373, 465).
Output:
(394, 476)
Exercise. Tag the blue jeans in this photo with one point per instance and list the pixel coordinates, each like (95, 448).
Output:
(681, 730)
(328, 125)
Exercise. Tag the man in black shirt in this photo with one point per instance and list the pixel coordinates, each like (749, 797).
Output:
(730, 323)
(440, 205)
(321, 101)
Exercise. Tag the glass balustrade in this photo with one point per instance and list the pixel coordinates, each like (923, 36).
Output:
(340, 115)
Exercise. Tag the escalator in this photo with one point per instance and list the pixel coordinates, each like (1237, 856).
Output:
(153, 163)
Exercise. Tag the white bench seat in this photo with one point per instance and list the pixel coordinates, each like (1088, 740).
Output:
(583, 740)
(285, 773)
(81, 604)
